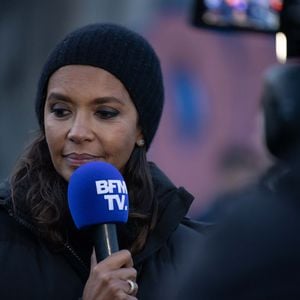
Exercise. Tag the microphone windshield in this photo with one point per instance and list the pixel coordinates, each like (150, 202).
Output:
(97, 194)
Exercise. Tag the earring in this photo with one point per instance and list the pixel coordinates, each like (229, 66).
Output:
(140, 142)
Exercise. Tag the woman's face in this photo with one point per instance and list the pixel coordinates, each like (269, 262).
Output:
(89, 116)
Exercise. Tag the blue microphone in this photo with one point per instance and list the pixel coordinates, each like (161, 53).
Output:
(98, 197)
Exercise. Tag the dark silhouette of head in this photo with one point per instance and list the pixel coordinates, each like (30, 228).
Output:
(281, 108)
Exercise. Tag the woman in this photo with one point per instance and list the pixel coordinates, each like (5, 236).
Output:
(100, 97)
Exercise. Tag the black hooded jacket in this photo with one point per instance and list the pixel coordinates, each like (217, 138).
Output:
(32, 270)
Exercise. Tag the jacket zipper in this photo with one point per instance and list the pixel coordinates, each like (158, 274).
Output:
(31, 228)
(74, 254)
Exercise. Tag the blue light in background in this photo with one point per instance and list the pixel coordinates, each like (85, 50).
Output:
(190, 105)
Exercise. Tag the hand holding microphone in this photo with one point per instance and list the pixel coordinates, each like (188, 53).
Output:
(98, 198)
(111, 278)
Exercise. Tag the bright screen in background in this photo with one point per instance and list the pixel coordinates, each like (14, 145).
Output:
(250, 15)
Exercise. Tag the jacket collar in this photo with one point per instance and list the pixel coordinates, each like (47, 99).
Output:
(174, 204)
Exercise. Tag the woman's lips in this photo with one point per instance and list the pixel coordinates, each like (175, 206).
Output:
(75, 159)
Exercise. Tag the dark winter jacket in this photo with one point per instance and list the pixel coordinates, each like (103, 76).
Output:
(32, 270)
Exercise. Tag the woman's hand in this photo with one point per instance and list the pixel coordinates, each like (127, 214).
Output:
(112, 278)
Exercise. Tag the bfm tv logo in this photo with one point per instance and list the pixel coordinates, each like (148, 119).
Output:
(112, 189)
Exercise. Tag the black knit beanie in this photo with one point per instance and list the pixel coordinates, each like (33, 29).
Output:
(123, 53)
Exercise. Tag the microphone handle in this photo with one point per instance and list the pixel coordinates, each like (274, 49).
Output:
(106, 240)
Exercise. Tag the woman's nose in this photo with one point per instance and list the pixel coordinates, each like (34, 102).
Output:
(81, 130)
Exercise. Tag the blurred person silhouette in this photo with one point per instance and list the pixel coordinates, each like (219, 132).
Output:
(99, 98)
(254, 253)
(240, 168)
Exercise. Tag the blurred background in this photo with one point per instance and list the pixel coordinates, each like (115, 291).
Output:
(210, 140)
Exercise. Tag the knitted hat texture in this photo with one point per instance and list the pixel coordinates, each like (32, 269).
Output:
(120, 51)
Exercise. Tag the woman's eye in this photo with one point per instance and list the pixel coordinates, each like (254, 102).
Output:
(60, 112)
(107, 113)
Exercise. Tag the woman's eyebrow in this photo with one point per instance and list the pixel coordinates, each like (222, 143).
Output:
(107, 99)
(58, 96)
